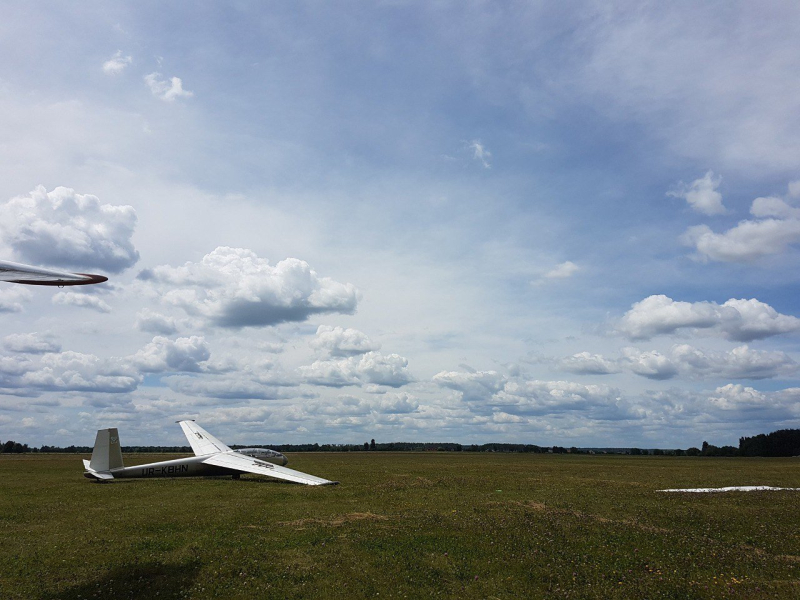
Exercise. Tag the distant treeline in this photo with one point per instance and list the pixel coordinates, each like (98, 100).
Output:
(785, 442)
(404, 447)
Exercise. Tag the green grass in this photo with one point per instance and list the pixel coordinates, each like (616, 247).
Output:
(405, 525)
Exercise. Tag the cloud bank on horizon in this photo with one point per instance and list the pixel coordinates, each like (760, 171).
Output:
(548, 231)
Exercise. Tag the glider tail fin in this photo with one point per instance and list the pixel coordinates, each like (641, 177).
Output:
(107, 453)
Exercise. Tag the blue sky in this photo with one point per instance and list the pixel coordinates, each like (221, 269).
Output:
(404, 221)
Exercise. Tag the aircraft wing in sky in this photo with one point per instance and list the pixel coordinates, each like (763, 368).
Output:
(30, 275)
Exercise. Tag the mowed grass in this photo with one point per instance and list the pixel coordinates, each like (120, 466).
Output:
(405, 525)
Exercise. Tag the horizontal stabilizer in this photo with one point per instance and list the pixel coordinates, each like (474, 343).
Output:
(92, 474)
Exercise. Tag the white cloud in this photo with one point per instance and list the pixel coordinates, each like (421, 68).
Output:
(585, 363)
(778, 228)
(480, 153)
(74, 371)
(563, 271)
(225, 388)
(702, 195)
(735, 396)
(162, 354)
(82, 300)
(14, 365)
(478, 386)
(773, 207)
(397, 403)
(166, 90)
(31, 343)
(552, 397)
(116, 64)
(369, 368)
(12, 298)
(740, 320)
(67, 229)
(270, 347)
(339, 342)
(685, 360)
(746, 242)
(740, 363)
(154, 322)
(652, 365)
(232, 287)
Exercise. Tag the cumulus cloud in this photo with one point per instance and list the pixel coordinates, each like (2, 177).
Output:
(167, 90)
(685, 360)
(563, 271)
(229, 388)
(368, 368)
(399, 403)
(116, 64)
(773, 207)
(74, 371)
(585, 363)
(340, 342)
(746, 242)
(735, 396)
(182, 354)
(480, 153)
(154, 322)
(547, 397)
(652, 365)
(66, 229)
(31, 343)
(12, 298)
(702, 195)
(82, 300)
(777, 227)
(740, 320)
(740, 363)
(493, 393)
(475, 386)
(233, 287)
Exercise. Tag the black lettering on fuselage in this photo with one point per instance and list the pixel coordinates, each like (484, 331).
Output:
(164, 471)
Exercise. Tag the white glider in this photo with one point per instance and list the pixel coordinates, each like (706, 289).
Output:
(212, 457)
(29, 275)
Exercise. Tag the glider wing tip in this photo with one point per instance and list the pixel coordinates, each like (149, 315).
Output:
(95, 278)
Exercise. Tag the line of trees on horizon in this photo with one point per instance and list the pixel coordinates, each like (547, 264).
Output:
(784, 442)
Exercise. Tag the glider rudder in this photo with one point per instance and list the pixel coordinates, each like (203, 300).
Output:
(107, 453)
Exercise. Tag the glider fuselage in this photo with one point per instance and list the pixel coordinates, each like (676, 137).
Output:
(191, 466)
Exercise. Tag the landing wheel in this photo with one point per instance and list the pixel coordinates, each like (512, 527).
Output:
(237, 476)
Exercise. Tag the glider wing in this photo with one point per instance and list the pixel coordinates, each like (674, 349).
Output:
(245, 464)
(27, 274)
(202, 442)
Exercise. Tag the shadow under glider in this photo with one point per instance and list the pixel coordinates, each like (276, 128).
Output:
(30, 275)
(211, 458)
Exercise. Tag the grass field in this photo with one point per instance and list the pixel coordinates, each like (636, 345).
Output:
(405, 526)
